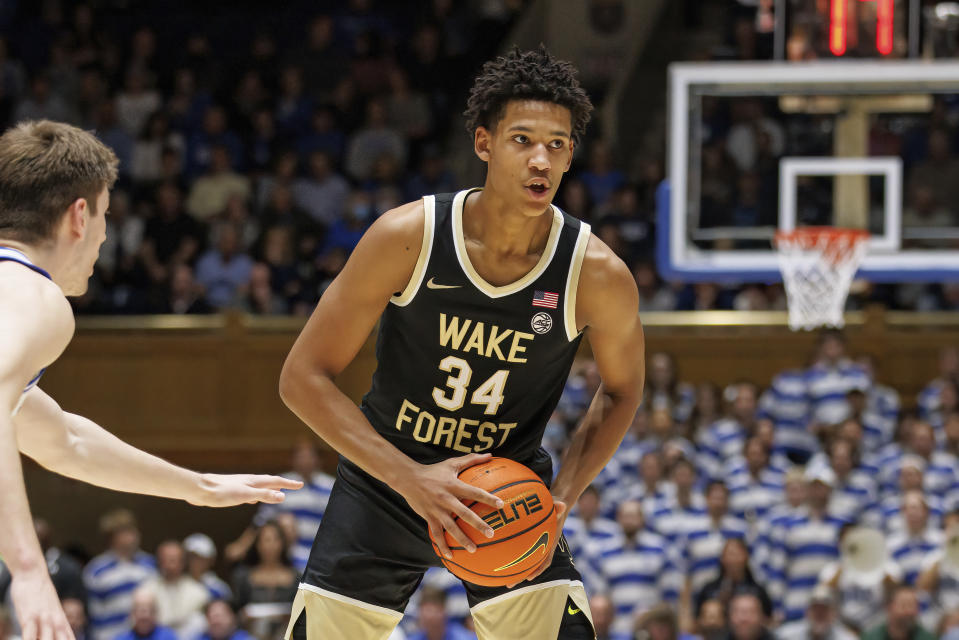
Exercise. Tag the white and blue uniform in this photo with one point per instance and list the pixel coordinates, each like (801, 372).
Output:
(895, 522)
(702, 546)
(928, 399)
(652, 499)
(787, 403)
(307, 506)
(110, 582)
(750, 498)
(761, 547)
(855, 499)
(910, 552)
(879, 418)
(940, 478)
(672, 520)
(457, 606)
(828, 386)
(216, 587)
(722, 441)
(12, 255)
(586, 538)
(638, 574)
(800, 548)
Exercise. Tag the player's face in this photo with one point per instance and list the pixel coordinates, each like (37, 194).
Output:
(528, 151)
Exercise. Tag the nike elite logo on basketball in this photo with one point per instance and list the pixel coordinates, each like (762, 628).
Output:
(432, 285)
(521, 507)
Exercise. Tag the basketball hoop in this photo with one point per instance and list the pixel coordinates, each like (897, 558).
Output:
(818, 264)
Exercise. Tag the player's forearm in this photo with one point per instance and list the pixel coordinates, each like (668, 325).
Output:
(92, 454)
(18, 540)
(318, 402)
(594, 442)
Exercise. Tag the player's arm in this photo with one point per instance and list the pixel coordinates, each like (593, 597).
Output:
(27, 345)
(78, 448)
(608, 305)
(381, 265)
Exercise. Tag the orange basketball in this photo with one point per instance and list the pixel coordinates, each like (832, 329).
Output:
(523, 529)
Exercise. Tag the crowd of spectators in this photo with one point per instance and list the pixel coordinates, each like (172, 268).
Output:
(255, 146)
(248, 177)
(251, 163)
(810, 506)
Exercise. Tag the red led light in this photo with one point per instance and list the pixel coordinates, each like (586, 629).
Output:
(837, 27)
(884, 25)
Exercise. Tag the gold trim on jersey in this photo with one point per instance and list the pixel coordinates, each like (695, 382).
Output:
(572, 281)
(529, 612)
(459, 242)
(426, 248)
(329, 615)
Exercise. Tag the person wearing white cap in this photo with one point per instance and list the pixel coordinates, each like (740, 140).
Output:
(803, 545)
(200, 558)
(820, 622)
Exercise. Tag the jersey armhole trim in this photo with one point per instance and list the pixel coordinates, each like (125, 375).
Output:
(572, 281)
(426, 248)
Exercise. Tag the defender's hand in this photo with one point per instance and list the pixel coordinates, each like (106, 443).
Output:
(436, 494)
(561, 512)
(38, 607)
(216, 490)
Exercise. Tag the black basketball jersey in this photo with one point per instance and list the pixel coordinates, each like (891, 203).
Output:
(465, 366)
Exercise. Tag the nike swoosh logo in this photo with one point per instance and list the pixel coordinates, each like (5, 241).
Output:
(542, 541)
(432, 285)
(571, 611)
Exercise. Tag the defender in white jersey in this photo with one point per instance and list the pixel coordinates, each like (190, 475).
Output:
(54, 195)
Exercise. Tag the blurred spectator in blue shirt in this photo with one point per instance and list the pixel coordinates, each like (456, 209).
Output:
(323, 135)
(143, 619)
(214, 132)
(434, 624)
(601, 178)
(221, 623)
(223, 270)
(324, 192)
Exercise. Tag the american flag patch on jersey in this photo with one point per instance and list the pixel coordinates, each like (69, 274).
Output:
(546, 299)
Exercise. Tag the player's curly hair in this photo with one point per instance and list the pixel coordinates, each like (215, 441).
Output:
(526, 75)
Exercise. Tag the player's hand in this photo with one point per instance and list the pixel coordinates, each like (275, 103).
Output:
(38, 607)
(436, 494)
(216, 490)
(561, 512)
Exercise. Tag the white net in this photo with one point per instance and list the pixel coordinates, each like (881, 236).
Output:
(818, 264)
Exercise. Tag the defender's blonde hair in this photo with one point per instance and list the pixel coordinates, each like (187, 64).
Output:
(44, 167)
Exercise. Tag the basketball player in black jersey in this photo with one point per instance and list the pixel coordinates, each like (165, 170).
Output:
(482, 298)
